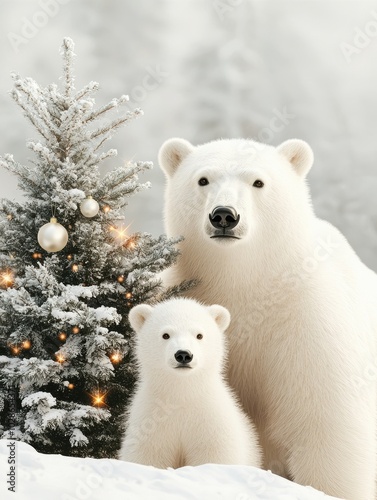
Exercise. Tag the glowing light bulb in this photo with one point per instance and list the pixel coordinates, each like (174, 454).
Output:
(98, 398)
(75, 329)
(60, 358)
(130, 243)
(6, 278)
(62, 336)
(26, 344)
(116, 357)
(120, 233)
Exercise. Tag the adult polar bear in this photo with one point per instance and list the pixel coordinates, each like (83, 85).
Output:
(304, 307)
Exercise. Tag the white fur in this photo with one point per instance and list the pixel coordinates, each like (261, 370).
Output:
(303, 337)
(184, 416)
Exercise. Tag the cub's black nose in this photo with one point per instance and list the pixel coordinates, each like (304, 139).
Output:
(224, 218)
(183, 357)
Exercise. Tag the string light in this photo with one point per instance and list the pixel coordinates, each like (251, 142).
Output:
(60, 358)
(35, 255)
(98, 398)
(106, 208)
(71, 386)
(16, 350)
(120, 278)
(62, 336)
(6, 278)
(70, 256)
(9, 216)
(116, 357)
(75, 329)
(120, 233)
(128, 295)
(26, 344)
(130, 243)
(75, 268)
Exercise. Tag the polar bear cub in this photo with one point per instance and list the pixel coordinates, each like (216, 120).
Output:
(183, 412)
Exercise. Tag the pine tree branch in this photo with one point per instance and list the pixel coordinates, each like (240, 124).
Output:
(114, 125)
(34, 121)
(35, 103)
(114, 103)
(88, 89)
(67, 51)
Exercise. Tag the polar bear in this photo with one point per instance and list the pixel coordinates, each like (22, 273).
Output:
(302, 343)
(183, 412)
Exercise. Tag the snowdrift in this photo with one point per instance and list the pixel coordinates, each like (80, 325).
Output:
(47, 477)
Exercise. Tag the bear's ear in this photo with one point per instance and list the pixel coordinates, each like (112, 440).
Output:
(299, 154)
(172, 153)
(138, 315)
(220, 315)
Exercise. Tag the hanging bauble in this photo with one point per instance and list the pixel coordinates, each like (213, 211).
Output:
(52, 237)
(89, 207)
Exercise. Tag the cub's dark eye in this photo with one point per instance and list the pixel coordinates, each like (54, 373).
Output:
(166, 336)
(199, 336)
(203, 181)
(258, 184)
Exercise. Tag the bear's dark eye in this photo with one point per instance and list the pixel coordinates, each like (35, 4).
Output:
(203, 181)
(166, 336)
(199, 336)
(258, 184)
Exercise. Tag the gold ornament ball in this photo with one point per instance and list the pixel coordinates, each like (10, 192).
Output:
(52, 237)
(89, 207)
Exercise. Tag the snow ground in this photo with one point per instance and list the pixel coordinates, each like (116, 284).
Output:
(47, 477)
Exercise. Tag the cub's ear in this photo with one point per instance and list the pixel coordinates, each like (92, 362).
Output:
(172, 153)
(138, 315)
(299, 154)
(220, 315)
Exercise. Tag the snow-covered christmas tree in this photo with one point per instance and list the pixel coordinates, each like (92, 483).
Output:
(66, 367)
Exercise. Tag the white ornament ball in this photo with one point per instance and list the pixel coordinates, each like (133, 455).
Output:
(89, 207)
(52, 237)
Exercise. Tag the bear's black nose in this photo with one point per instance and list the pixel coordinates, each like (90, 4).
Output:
(183, 357)
(224, 218)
